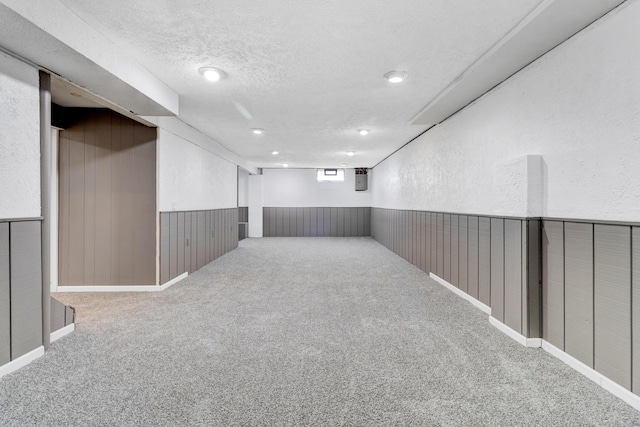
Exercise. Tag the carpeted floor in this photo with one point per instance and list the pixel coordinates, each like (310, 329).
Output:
(298, 331)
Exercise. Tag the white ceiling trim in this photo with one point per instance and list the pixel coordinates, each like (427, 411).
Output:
(50, 35)
(547, 26)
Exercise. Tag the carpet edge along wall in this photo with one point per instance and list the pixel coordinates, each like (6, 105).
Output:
(572, 283)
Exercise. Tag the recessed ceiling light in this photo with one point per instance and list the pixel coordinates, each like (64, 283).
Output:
(363, 132)
(343, 164)
(212, 74)
(257, 131)
(76, 94)
(284, 165)
(396, 76)
(351, 153)
(274, 153)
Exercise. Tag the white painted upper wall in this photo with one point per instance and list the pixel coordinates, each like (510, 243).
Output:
(191, 177)
(243, 188)
(19, 139)
(578, 107)
(300, 188)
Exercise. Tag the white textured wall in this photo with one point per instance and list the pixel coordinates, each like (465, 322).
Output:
(578, 107)
(299, 188)
(192, 178)
(243, 188)
(255, 205)
(19, 139)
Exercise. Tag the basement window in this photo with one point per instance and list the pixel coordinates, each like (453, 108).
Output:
(330, 175)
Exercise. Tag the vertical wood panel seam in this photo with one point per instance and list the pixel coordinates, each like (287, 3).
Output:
(10, 292)
(490, 237)
(593, 291)
(524, 276)
(564, 288)
(631, 302)
(504, 268)
(522, 260)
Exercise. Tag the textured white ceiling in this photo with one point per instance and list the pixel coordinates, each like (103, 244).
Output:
(308, 72)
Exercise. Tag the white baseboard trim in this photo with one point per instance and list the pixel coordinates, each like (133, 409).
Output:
(149, 288)
(56, 335)
(595, 376)
(21, 361)
(462, 294)
(527, 342)
(174, 281)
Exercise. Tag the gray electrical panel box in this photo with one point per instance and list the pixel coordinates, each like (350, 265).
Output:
(361, 179)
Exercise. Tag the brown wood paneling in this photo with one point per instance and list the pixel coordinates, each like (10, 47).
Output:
(447, 247)
(427, 242)
(173, 245)
(578, 272)
(219, 235)
(89, 212)
(26, 287)
(324, 220)
(57, 315)
(202, 239)
(194, 241)
(341, 219)
(454, 250)
(497, 269)
(513, 307)
(126, 175)
(209, 234)
(367, 221)
(107, 202)
(76, 206)
(103, 232)
(484, 260)
(293, 222)
(5, 293)
(180, 243)
(319, 221)
(299, 222)
(266, 222)
(463, 248)
(635, 309)
(415, 238)
(440, 248)
(434, 242)
(165, 247)
(553, 283)
(286, 222)
(473, 256)
(406, 235)
(354, 221)
(421, 243)
(612, 302)
(144, 209)
(63, 208)
(361, 221)
(226, 230)
(187, 241)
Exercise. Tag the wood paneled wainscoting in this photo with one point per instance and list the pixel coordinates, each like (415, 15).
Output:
(191, 239)
(316, 221)
(21, 287)
(571, 286)
(493, 260)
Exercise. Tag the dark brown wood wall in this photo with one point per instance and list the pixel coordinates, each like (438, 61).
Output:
(107, 226)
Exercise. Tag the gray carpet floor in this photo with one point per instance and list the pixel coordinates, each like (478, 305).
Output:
(298, 331)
